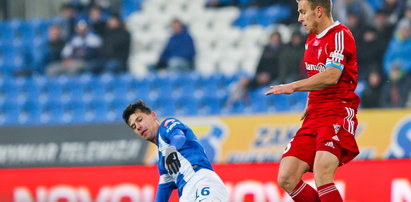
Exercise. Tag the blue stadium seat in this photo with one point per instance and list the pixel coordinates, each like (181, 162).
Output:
(298, 101)
(281, 102)
(129, 6)
(9, 91)
(164, 106)
(74, 90)
(31, 113)
(258, 101)
(30, 90)
(39, 27)
(76, 112)
(13, 29)
(186, 107)
(209, 105)
(248, 16)
(244, 3)
(115, 109)
(98, 111)
(9, 113)
(272, 15)
(53, 113)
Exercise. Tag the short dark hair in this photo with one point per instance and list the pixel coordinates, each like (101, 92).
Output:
(323, 3)
(132, 108)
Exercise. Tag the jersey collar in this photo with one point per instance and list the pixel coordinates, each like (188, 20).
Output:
(326, 30)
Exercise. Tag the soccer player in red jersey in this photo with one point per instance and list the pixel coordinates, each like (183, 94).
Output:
(325, 140)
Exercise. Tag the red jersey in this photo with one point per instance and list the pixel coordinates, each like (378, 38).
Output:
(334, 47)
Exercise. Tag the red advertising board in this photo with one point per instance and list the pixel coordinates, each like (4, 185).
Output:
(358, 181)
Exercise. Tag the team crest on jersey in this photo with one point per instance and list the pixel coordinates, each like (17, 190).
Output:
(336, 128)
(319, 53)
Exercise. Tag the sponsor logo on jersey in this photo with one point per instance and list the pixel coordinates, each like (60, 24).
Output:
(172, 126)
(318, 67)
(336, 138)
(335, 55)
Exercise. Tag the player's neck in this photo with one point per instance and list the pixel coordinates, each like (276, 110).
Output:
(324, 24)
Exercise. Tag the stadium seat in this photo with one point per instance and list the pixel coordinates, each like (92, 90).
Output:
(164, 106)
(74, 90)
(76, 113)
(272, 15)
(98, 111)
(31, 90)
(186, 107)
(9, 113)
(31, 113)
(258, 101)
(209, 105)
(281, 102)
(248, 16)
(53, 91)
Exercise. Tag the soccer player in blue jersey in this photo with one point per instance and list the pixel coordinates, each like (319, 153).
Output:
(182, 163)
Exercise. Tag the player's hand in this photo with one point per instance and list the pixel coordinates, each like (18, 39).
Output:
(172, 162)
(280, 89)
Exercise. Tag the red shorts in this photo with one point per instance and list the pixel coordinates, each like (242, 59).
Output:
(321, 131)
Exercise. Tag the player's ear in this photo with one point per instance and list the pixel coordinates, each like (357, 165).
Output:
(154, 115)
(319, 11)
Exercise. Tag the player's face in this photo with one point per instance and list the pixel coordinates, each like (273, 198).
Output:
(307, 16)
(144, 125)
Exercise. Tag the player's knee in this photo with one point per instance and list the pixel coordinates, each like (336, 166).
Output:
(323, 174)
(287, 182)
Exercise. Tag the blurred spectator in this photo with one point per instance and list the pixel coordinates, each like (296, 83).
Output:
(291, 59)
(95, 20)
(116, 45)
(179, 52)
(408, 11)
(218, 3)
(356, 26)
(80, 53)
(383, 27)
(395, 10)
(370, 58)
(399, 49)
(55, 45)
(68, 20)
(267, 70)
(360, 8)
(370, 97)
(395, 91)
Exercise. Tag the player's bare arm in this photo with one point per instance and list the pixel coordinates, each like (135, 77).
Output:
(317, 82)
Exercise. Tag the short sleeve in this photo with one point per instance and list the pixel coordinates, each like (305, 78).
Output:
(339, 50)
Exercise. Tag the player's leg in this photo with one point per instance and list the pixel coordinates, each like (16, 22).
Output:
(298, 158)
(290, 172)
(205, 186)
(289, 178)
(325, 165)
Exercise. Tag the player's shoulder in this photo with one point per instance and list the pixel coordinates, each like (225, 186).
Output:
(342, 29)
(169, 123)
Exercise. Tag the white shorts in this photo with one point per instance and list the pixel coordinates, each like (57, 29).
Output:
(204, 186)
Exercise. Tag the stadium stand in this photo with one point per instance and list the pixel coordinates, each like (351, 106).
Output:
(229, 41)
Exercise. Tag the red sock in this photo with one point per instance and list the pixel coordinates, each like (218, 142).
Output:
(329, 192)
(305, 193)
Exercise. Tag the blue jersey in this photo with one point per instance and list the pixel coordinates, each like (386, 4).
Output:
(191, 155)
